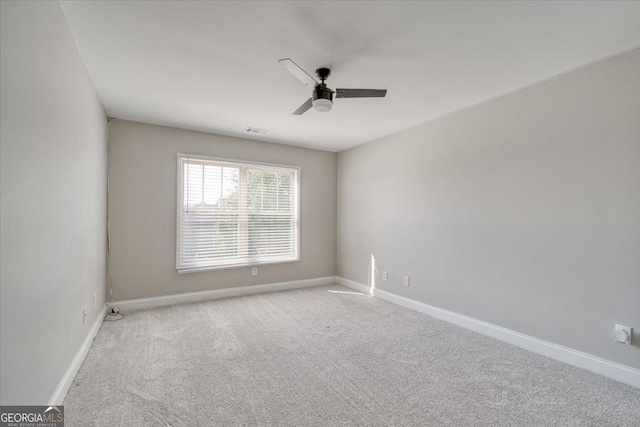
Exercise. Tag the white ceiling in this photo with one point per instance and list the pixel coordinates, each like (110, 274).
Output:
(213, 66)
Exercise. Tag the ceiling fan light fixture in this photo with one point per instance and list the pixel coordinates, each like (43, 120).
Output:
(322, 105)
(322, 98)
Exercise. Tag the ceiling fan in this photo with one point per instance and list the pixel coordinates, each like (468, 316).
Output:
(322, 96)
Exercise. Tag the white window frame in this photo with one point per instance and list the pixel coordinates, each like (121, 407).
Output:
(232, 162)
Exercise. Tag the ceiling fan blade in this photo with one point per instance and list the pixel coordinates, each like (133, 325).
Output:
(360, 93)
(303, 108)
(300, 74)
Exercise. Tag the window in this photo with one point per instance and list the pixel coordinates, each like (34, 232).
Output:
(235, 213)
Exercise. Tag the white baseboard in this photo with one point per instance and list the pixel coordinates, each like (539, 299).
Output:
(65, 383)
(353, 285)
(616, 371)
(143, 303)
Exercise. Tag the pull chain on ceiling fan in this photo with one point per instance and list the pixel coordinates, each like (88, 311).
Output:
(322, 96)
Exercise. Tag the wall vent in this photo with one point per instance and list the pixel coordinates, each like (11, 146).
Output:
(256, 131)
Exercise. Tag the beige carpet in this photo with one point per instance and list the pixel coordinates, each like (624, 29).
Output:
(326, 356)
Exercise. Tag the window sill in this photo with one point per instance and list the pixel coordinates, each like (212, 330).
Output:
(226, 267)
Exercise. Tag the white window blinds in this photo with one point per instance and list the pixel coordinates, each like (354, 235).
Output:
(234, 214)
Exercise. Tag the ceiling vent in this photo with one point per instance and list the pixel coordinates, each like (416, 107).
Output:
(256, 131)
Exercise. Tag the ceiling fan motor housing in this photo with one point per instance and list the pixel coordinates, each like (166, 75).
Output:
(322, 92)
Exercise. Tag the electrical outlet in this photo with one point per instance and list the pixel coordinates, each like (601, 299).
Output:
(94, 300)
(405, 280)
(254, 271)
(385, 276)
(84, 315)
(622, 334)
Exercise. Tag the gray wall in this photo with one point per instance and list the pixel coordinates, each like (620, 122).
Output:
(53, 182)
(523, 211)
(142, 161)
